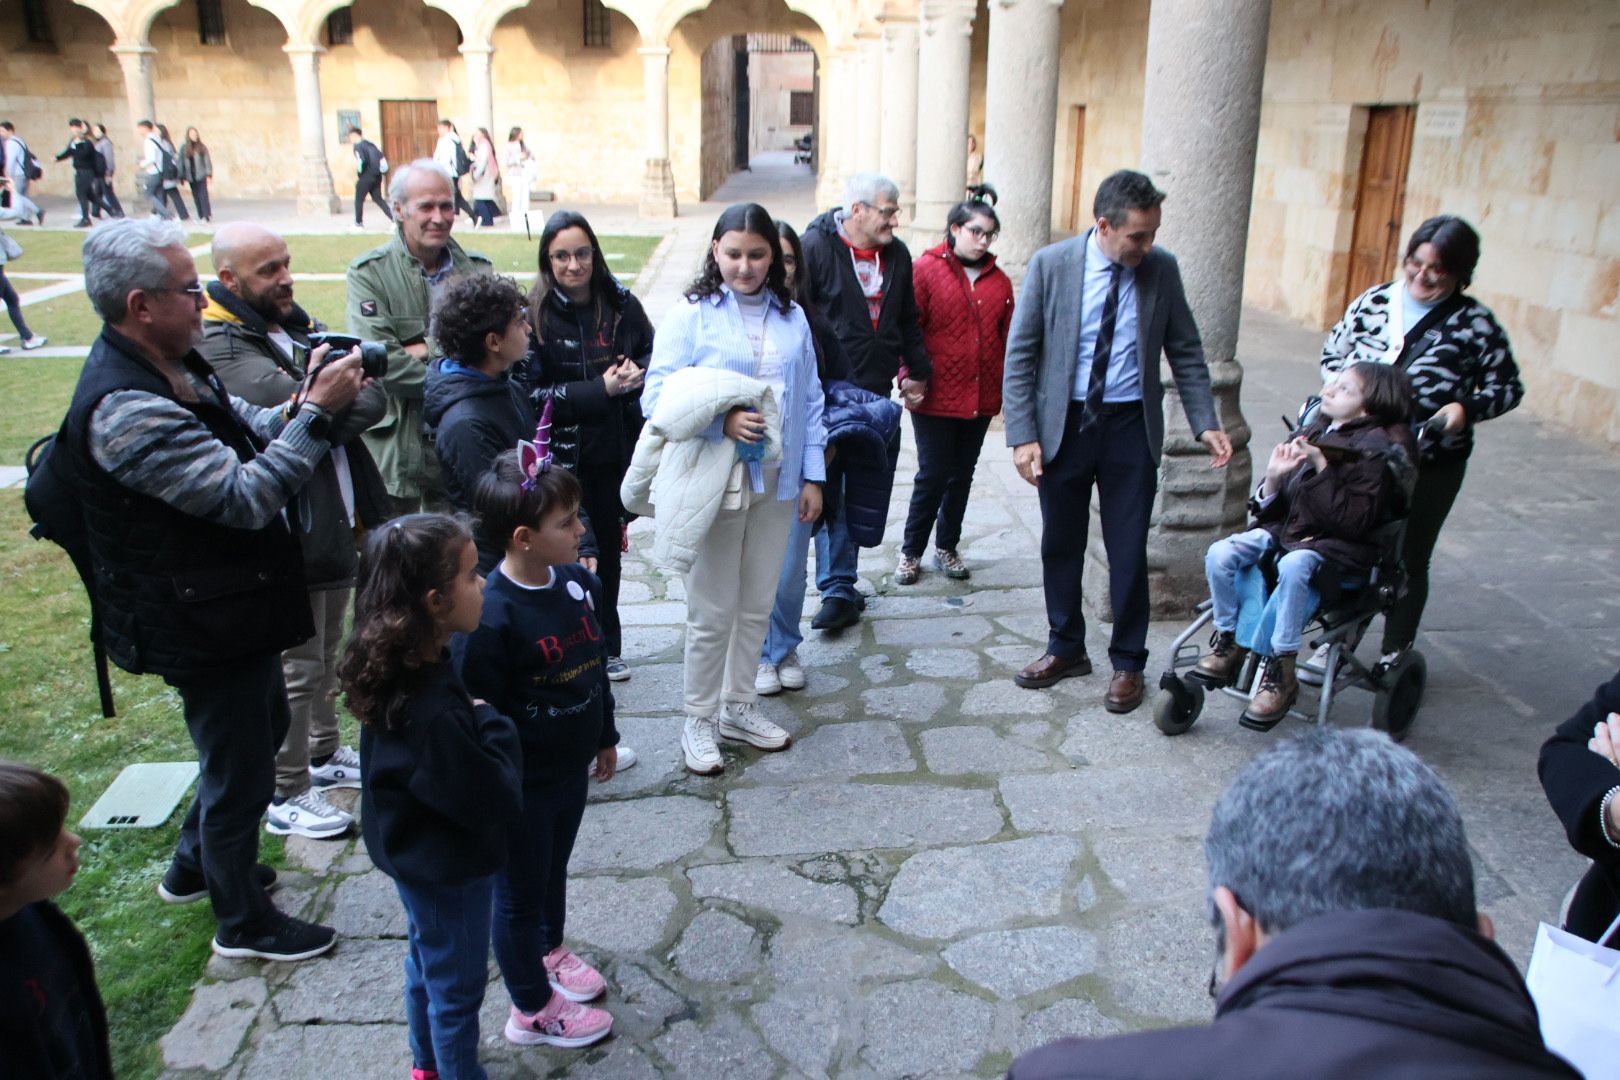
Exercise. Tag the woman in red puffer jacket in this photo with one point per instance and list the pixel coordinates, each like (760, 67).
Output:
(964, 306)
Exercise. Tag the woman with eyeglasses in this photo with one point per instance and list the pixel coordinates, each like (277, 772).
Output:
(592, 343)
(964, 307)
(1462, 372)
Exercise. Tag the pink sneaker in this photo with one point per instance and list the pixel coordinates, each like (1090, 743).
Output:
(572, 977)
(424, 1074)
(561, 1023)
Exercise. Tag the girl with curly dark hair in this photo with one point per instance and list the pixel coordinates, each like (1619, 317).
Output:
(441, 774)
(738, 350)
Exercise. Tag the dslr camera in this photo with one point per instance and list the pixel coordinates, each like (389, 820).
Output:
(373, 354)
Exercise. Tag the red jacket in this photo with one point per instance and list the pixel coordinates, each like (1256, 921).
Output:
(965, 329)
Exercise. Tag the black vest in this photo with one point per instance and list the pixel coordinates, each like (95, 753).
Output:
(179, 595)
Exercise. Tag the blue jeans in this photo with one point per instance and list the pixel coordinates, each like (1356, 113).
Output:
(837, 557)
(1292, 602)
(446, 969)
(784, 636)
(531, 894)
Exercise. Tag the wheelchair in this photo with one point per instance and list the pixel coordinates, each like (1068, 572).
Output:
(1340, 624)
(1349, 605)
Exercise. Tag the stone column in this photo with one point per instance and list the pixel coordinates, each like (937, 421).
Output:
(315, 194)
(898, 153)
(658, 185)
(945, 59)
(480, 92)
(835, 130)
(1200, 125)
(866, 104)
(136, 62)
(1021, 124)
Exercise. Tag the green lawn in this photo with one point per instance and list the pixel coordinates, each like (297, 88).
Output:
(55, 252)
(148, 954)
(35, 390)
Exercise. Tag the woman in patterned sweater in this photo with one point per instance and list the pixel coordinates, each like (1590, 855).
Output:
(1462, 371)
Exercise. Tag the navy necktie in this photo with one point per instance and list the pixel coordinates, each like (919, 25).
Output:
(1105, 347)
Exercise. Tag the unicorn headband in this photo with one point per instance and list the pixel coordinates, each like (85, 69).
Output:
(535, 457)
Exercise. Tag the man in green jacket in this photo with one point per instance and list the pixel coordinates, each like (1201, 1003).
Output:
(391, 295)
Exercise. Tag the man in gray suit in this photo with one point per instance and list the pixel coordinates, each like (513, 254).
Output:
(1083, 405)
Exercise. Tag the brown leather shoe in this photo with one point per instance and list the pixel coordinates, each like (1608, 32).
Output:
(1124, 692)
(1223, 662)
(1050, 669)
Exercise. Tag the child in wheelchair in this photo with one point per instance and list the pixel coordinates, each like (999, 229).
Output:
(1326, 491)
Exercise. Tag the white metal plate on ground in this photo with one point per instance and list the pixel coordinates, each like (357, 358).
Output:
(142, 797)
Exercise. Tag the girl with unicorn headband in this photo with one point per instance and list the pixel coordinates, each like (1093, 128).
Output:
(540, 657)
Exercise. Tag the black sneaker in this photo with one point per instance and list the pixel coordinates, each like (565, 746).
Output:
(279, 937)
(187, 886)
(836, 614)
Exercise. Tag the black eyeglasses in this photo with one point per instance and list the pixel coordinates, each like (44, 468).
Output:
(583, 256)
(982, 234)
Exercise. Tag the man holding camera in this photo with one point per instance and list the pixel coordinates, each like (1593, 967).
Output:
(258, 341)
(391, 293)
(185, 493)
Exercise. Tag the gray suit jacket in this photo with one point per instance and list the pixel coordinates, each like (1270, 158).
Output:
(1044, 343)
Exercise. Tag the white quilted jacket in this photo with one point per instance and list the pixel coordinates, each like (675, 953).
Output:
(683, 479)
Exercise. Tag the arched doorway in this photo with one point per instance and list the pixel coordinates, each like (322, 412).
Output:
(760, 105)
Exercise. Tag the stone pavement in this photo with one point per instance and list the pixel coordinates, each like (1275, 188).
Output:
(945, 869)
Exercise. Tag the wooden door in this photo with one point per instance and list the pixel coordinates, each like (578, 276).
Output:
(409, 130)
(1375, 241)
(1078, 219)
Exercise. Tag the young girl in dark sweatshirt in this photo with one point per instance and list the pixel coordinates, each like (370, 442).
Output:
(539, 655)
(441, 775)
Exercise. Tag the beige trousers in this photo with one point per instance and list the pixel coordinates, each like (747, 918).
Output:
(730, 591)
(312, 684)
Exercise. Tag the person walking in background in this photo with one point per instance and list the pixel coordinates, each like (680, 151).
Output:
(449, 152)
(105, 195)
(369, 168)
(592, 343)
(486, 179)
(86, 167)
(172, 173)
(14, 158)
(10, 249)
(964, 306)
(519, 164)
(196, 166)
(151, 168)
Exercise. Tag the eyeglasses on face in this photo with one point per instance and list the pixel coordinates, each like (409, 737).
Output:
(987, 236)
(194, 290)
(582, 256)
(887, 213)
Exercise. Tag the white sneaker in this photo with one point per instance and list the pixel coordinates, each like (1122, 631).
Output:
(740, 721)
(627, 760)
(35, 342)
(768, 681)
(1311, 671)
(791, 672)
(697, 745)
(307, 814)
(342, 769)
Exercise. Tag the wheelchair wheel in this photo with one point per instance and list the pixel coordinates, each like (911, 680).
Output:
(1176, 708)
(1395, 707)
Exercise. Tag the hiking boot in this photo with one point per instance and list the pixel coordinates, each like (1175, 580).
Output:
(907, 570)
(341, 770)
(767, 680)
(188, 886)
(791, 672)
(561, 1023)
(1220, 666)
(307, 814)
(572, 977)
(949, 561)
(617, 669)
(740, 721)
(279, 937)
(697, 746)
(1276, 694)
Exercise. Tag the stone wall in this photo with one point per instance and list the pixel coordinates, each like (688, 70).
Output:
(719, 118)
(772, 80)
(1517, 130)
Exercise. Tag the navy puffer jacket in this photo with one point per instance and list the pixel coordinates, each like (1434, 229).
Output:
(865, 427)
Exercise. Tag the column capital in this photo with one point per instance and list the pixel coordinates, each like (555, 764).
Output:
(303, 48)
(938, 15)
(661, 51)
(476, 48)
(141, 49)
(1025, 3)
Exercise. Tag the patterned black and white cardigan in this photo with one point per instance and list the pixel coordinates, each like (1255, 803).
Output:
(1465, 359)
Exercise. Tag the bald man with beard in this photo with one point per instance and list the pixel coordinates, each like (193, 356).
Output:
(257, 339)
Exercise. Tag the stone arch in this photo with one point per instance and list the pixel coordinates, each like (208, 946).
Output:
(131, 20)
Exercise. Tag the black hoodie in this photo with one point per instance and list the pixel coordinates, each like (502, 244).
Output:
(874, 355)
(1344, 996)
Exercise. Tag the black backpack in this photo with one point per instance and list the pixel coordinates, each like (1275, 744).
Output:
(30, 163)
(463, 162)
(53, 503)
